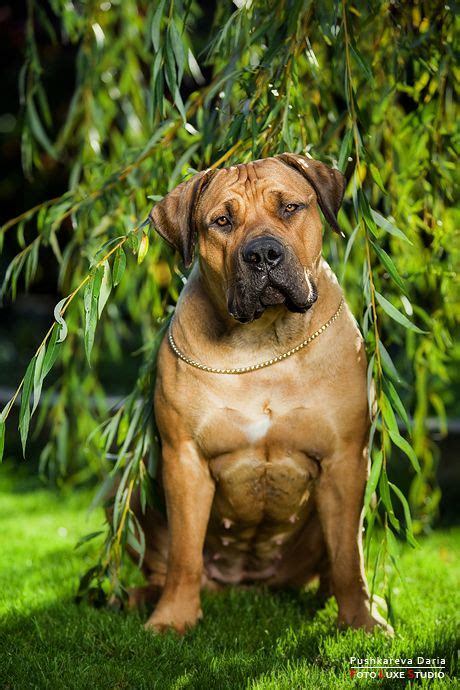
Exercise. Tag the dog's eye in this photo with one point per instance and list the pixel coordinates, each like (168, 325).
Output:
(222, 221)
(290, 208)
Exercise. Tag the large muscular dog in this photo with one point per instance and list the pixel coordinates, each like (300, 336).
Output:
(263, 469)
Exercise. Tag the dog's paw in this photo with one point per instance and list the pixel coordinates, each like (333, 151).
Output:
(366, 618)
(166, 620)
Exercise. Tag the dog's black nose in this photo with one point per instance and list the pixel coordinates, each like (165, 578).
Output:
(263, 252)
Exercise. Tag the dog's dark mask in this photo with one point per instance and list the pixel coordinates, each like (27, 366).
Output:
(265, 270)
(268, 273)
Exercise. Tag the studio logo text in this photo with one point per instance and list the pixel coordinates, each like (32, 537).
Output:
(410, 668)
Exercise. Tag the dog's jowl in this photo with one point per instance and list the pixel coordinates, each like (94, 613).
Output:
(260, 398)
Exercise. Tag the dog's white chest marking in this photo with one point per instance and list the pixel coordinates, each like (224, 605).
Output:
(258, 429)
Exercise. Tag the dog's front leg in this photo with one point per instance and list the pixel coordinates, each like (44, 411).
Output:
(339, 498)
(189, 491)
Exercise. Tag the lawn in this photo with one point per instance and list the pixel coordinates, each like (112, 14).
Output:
(248, 639)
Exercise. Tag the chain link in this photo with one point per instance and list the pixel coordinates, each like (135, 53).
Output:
(253, 367)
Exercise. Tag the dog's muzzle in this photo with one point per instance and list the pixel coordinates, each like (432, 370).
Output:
(267, 274)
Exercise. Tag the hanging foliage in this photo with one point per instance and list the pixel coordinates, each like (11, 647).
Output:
(165, 89)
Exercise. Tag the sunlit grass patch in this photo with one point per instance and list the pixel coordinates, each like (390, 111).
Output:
(248, 639)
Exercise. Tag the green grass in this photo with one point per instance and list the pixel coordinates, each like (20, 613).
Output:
(248, 639)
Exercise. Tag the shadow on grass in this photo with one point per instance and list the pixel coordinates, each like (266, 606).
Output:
(239, 627)
(246, 638)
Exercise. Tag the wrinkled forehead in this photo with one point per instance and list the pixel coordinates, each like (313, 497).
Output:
(253, 182)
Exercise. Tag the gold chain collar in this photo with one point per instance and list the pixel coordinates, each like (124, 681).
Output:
(253, 367)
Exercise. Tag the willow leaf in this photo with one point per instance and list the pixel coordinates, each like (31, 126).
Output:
(106, 287)
(178, 50)
(392, 544)
(38, 129)
(388, 262)
(143, 248)
(156, 26)
(385, 224)
(387, 363)
(388, 414)
(397, 402)
(51, 351)
(345, 149)
(119, 265)
(374, 477)
(396, 315)
(405, 446)
(60, 320)
(24, 412)
(407, 514)
(375, 172)
(384, 492)
(2, 438)
(38, 377)
(362, 64)
(91, 300)
(87, 537)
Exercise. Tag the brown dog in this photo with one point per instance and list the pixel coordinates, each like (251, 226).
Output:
(263, 469)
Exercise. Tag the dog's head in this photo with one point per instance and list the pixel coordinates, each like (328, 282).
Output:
(258, 230)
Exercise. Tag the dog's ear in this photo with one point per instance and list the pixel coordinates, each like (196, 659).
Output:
(328, 183)
(174, 216)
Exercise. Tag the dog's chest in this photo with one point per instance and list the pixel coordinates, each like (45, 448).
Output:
(263, 454)
(287, 413)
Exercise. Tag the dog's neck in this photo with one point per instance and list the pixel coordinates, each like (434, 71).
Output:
(276, 331)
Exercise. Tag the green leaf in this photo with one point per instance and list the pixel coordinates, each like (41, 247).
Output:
(396, 402)
(407, 515)
(388, 414)
(178, 49)
(38, 377)
(119, 265)
(396, 315)
(350, 243)
(156, 26)
(2, 438)
(365, 209)
(106, 287)
(375, 172)
(143, 248)
(385, 224)
(51, 351)
(345, 149)
(195, 69)
(440, 409)
(387, 363)
(87, 537)
(384, 492)
(24, 413)
(362, 64)
(374, 477)
(38, 129)
(91, 301)
(405, 446)
(133, 242)
(392, 544)
(370, 381)
(178, 102)
(387, 261)
(170, 65)
(58, 316)
(157, 66)
(104, 491)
